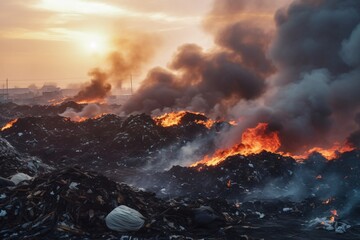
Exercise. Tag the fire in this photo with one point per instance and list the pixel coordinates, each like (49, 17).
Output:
(332, 152)
(56, 102)
(83, 119)
(333, 216)
(208, 123)
(174, 118)
(258, 139)
(9, 124)
(253, 140)
(88, 101)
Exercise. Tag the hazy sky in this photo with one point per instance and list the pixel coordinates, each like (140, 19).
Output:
(60, 41)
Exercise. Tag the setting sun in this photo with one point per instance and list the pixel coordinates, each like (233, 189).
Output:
(94, 43)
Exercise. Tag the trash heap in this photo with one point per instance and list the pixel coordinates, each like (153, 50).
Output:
(235, 177)
(76, 204)
(71, 204)
(11, 161)
(9, 111)
(103, 144)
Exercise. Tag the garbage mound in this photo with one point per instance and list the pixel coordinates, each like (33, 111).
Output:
(67, 203)
(234, 177)
(74, 204)
(11, 161)
(11, 111)
(71, 204)
(103, 143)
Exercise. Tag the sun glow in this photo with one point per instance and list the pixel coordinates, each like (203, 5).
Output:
(94, 44)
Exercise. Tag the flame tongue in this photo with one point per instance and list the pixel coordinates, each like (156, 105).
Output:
(9, 124)
(253, 140)
(175, 118)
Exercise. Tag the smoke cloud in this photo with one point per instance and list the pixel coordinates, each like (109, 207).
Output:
(97, 90)
(89, 111)
(132, 51)
(201, 80)
(296, 67)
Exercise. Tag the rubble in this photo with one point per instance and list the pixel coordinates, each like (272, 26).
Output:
(235, 177)
(130, 142)
(12, 162)
(47, 207)
(243, 197)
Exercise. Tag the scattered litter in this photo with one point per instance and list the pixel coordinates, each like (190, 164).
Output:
(20, 177)
(124, 219)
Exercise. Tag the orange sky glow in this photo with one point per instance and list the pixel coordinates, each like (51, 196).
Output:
(52, 41)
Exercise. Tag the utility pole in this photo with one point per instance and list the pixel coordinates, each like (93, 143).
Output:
(7, 89)
(131, 84)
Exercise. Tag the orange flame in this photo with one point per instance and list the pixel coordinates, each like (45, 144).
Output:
(333, 216)
(253, 140)
(88, 101)
(9, 124)
(332, 152)
(174, 118)
(83, 119)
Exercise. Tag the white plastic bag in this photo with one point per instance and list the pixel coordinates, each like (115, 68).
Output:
(124, 219)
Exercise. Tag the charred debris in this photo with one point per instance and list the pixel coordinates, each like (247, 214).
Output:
(60, 179)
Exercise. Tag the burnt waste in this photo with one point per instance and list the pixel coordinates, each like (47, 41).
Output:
(78, 172)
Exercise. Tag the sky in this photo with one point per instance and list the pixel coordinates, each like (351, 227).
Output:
(52, 41)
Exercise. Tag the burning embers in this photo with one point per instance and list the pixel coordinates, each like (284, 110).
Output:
(9, 124)
(253, 140)
(176, 118)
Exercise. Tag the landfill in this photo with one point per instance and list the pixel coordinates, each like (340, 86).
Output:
(63, 179)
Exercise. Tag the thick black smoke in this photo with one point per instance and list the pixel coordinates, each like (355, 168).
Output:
(316, 86)
(303, 78)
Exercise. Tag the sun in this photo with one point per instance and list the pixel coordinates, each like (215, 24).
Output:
(95, 43)
(93, 46)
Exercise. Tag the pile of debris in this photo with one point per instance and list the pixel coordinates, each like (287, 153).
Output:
(71, 204)
(11, 111)
(12, 162)
(102, 144)
(235, 177)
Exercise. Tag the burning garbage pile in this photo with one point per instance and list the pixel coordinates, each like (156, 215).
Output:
(104, 141)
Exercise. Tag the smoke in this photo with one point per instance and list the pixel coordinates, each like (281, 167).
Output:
(202, 80)
(89, 111)
(312, 96)
(96, 90)
(131, 52)
(296, 67)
